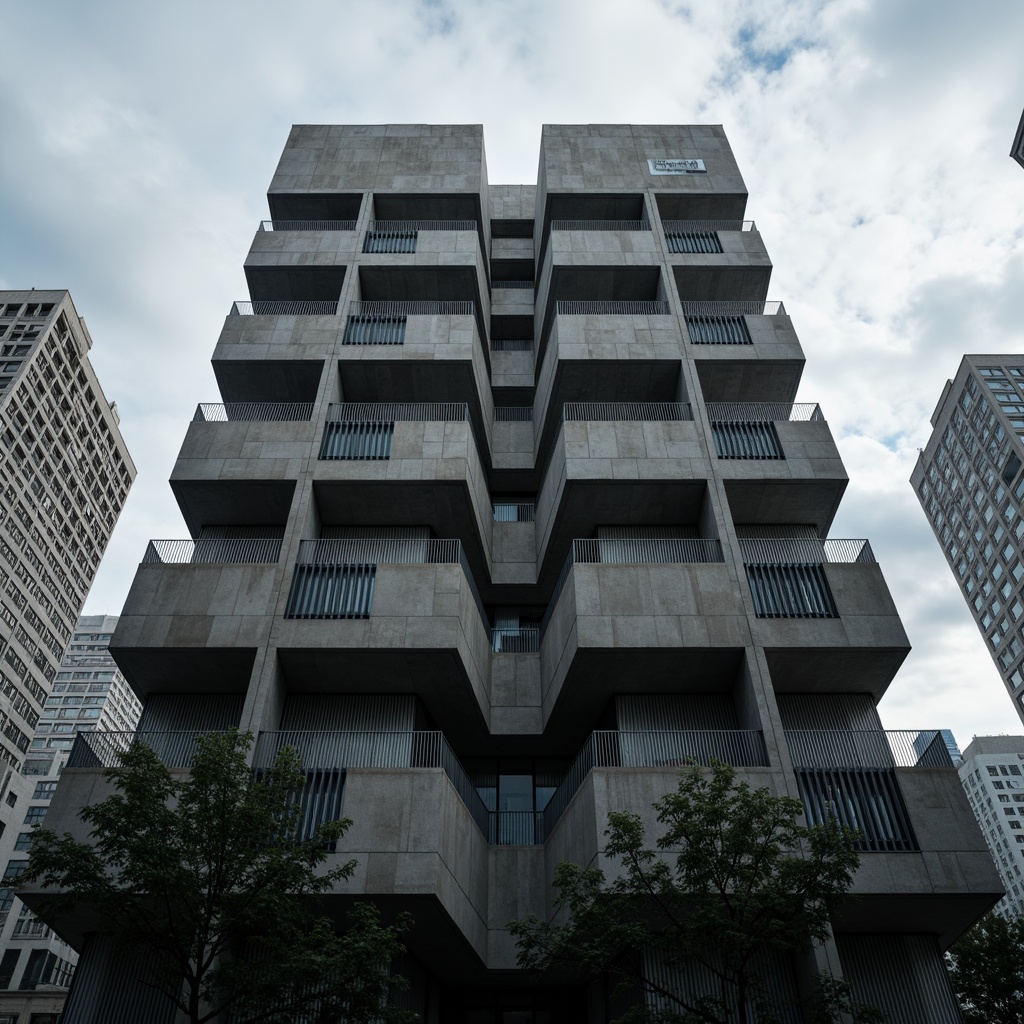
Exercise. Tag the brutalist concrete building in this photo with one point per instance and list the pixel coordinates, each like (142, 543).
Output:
(969, 482)
(64, 478)
(506, 510)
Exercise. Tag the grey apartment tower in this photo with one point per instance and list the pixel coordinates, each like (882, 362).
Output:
(506, 510)
(968, 479)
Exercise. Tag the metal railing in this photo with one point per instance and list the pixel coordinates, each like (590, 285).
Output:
(514, 511)
(793, 550)
(900, 748)
(600, 225)
(345, 750)
(285, 307)
(717, 330)
(383, 241)
(790, 591)
(513, 285)
(731, 307)
(374, 330)
(686, 226)
(513, 413)
(867, 800)
(175, 748)
(651, 749)
(253, 412)
(422, 225)
(629, 551)
(764, 412)
(308, 225)
(746, 440)
(395, 412)
(414, 307)
(511, 344)
(213, 550)
(612, 307)
(626, 411)
(515, 640)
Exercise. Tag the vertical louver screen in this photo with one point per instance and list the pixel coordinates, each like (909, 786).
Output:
(793, 591)
(320, 802)
(357, 440)
(365, 329)
(718, 330)
(331, 592)
(746, 441)
(693, 241)
(866, 799)
(389, 241)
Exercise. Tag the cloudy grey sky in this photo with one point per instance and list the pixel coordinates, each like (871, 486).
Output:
(137, 141)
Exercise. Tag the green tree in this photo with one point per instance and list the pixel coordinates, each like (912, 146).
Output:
(734, 881)
(986, 966)
(203, 874)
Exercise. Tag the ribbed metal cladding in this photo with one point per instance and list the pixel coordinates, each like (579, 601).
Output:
(901, 975)
(781, 531)
(718, 330)
(746, 440)
(691, 980)
(374, 330)
(357, 440)
(828, 711)
(632, 532)
(168, 712)
(320, 801)
(865, 799)
(693, 241)
(107, 988)
(389, 241)
(637, 713)
(514, 511)
(349, 713)
(331, 592)
(795, 591)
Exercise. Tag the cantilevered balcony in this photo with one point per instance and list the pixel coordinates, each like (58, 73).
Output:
(744, 351)
(403, 236)
(662, 609)
(629, 463)
(779, 462)
(406, 464)
(389, 615)
(219, 595)
(417, 351)
(923, 861)
(237, 462)
(704, 236)
(824, 614)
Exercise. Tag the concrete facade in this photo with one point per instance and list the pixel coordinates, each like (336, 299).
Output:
(508, 510)
(65, 475)
(969, 482)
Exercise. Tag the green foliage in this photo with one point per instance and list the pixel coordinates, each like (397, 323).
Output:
(986, 967)
(201, 872)
(735, 879)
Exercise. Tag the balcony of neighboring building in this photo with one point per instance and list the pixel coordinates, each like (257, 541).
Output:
(925, 867)
(512, 352)
(628, 463)
(822, 612)
(406, 464)
(778, 461)
(198, 609)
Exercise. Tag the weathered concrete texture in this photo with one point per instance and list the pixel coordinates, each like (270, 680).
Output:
(329, 158)
(512, 202)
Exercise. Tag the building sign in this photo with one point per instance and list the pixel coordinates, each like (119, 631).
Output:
(664, 166)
